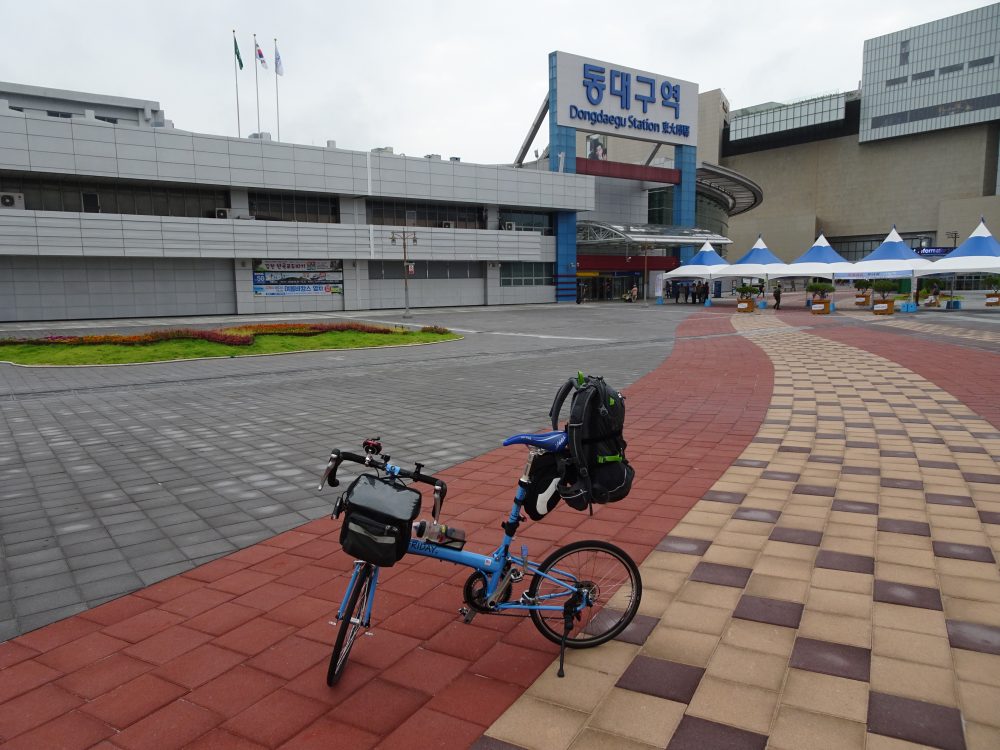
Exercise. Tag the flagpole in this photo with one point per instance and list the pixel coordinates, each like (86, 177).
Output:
(236, 80)
(256, 82)
(277, 110)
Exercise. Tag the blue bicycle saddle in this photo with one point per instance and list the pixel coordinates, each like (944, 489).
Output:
(553, 442)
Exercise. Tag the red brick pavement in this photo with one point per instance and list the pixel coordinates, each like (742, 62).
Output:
(233, 653)
(970, 375)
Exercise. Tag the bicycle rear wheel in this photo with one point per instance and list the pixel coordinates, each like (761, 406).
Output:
(605, 573)
(350, 623)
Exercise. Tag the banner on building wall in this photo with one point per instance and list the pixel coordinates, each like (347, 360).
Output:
(602, 97)
(270, 264)
(297, 277)
(284, 290)
(281, 278)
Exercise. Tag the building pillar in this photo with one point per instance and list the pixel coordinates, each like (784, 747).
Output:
(686, 161)
(562, 158)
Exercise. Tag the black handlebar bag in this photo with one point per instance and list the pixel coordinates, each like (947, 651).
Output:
(378, 517)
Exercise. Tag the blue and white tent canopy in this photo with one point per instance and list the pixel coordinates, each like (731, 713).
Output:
(893, 258)
(703, 265)
(978, 254)
(758, 262)
(819, 260)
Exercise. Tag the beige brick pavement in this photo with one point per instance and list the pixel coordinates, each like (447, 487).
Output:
(848, 597)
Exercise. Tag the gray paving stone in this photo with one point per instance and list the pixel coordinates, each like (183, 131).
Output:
(91, 559)
(99, 572)
(203, 549)
(34, 558)
(110, 587)
(35, 586)
(153, 575)
(35, 603)
(157, 559)
(41, 570)
(230, 444)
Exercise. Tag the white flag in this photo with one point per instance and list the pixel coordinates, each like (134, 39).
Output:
(260, 55)
(278, 67)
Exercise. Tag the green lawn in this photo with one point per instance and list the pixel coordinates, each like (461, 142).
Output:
(116, 354)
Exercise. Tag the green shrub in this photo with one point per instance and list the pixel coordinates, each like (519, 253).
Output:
(746, 292)
(863, 285)
(993, 282)
(820, 289)
(885, 287)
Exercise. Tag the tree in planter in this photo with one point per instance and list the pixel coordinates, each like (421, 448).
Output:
(993, 282)
(746, 292)
(884, 287)
(862, 285)
(820, 289)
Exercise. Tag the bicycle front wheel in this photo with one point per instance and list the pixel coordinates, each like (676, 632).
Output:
(602, 571)
(350, 624)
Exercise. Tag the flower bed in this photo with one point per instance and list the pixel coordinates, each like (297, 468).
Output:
(240, 336)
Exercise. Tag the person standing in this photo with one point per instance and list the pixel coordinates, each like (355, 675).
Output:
(635, 292)
(677, 292)
(777, 296)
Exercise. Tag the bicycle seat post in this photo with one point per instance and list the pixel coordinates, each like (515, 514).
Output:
(532, 452)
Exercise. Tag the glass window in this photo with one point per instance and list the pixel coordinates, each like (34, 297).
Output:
(71, 198)
(175, 200)
(161, 206)
(108, 197)
(126, 200)
(143, 201)
(51, 197)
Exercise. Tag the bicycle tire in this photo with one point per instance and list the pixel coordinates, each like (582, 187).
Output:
(350, 624)
(599, 623)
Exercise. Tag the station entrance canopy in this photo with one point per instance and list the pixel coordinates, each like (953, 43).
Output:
(599, 233)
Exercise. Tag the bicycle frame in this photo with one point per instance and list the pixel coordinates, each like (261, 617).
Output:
(493, 566)
(496, 566)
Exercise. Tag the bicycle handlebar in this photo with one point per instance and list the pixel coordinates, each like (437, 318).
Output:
(337, 457)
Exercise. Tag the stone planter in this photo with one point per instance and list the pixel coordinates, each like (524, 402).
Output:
(820, 307)
(884, 307)
(862, 299)
(745, 306)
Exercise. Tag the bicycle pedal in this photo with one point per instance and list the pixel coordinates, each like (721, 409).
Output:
(516, 575)
(468, 614)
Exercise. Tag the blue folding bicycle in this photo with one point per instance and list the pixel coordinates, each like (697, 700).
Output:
(582, 595)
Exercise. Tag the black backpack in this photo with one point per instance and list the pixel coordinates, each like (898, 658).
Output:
(596, 470)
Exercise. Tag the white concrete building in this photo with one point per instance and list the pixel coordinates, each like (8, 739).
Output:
(108, 210)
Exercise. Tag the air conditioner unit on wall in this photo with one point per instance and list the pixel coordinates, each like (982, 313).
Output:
(447, 225)
(222, 213)
(510, 226)
(12, 200)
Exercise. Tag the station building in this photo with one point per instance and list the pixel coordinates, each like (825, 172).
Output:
(917, 145)
(109, 210)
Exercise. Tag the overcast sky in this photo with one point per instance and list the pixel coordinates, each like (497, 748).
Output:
(439, 76)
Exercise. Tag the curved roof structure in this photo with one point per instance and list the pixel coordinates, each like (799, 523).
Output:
(735, 191)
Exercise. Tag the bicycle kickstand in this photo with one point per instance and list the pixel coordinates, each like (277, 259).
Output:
(569, 614)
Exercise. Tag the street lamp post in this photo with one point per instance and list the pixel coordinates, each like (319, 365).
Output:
(645, 275)
(405, 236)
(953, 236)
